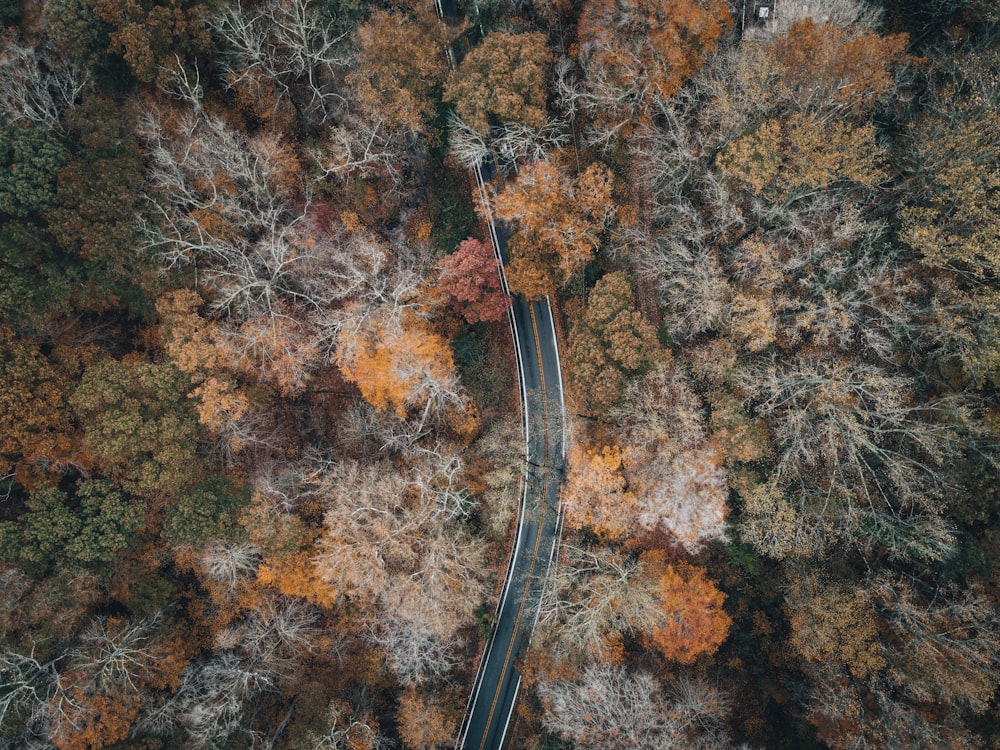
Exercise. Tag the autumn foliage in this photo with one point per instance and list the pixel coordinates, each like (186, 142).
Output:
(695, 622)
(502, 79)
(560, 218)
(596, 493)
(471, 277)
(260, 456)
(825, 63)
(647, 48)
(397, 363)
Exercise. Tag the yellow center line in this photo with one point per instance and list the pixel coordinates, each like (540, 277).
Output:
(541, 522)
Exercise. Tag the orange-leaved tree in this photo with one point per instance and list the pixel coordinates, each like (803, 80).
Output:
(423, 724)
(596, 494)
(401, 61)
(830, 66)
(635, 50)
(400, 363)
(560, 218)
(694, 621)
(502, 80)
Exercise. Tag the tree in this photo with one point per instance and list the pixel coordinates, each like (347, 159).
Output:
(950, 218)
(204, 513)
(527, 275)
(836, 68)
(98, 196)
(90, 527)
(400, 65)
(596, 597)
(609, 706)
(78, 32)
(36, 85)
(515, 141)
(834, 623)
(10, 14)
(559, 219)
(852, 15)
(209, 701)
(423, 722)
(946, 644)
(819, 65)
(846, 429)
(139, 424)
(349, 729)
(414, 652)
(694, 622)
(637, 52)
(47, 611)
(596, 494)
(37, 437)
(96, 721)
(684, 267)
(276, 348)
(849, 714)
(292, 48)
(471, 277)
(400, 363)
(232, 204)
(660, 414)
(687, 497)
(389, 544)
(502, 79)
(151, 36)
(611, 342)
(30, 160)
(364, 145)
(789, 157)
(772, 523)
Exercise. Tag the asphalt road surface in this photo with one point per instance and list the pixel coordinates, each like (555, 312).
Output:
(497, 682)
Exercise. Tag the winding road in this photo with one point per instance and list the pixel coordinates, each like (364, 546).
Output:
(543, 420)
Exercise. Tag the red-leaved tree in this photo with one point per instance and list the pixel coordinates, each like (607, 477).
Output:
(471, 277)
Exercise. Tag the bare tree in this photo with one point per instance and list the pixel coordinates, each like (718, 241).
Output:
(277, 634)
(660, 413)
(685, 269)
(611, 707)
(294, 45)
(414, 652)
(687, 497)
(348, 730)
(210, 701)
(466, 143)
(235, 206)
(37, 84)
(114, 654)
(29, 686)
(362, 146)
(946, 647)
(851, 715)
(854, 420)
(228, 564)
(525, 144)
(594, 594)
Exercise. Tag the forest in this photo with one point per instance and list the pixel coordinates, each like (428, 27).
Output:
(260, 445)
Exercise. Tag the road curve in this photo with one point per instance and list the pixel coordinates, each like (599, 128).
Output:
(543, 420)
